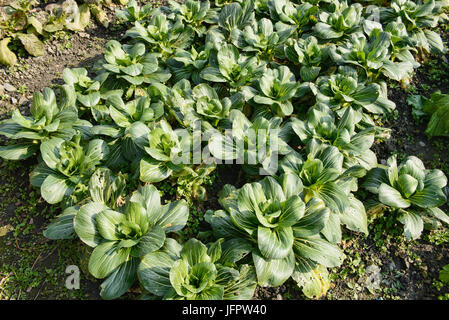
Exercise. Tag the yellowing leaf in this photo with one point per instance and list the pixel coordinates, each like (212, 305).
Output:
(7, 57)
(5, 230)
(32, 44)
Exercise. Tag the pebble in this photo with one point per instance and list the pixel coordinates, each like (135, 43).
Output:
(84, 35)
(2, 89)
(22, 100)
(13, 100)
(422, 144)
(9, 87)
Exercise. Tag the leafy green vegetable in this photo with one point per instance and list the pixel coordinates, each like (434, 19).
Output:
(119, 238)
(412, 190)
(48, 119)
(196, 272)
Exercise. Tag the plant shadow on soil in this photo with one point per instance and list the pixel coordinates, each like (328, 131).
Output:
(380, 266)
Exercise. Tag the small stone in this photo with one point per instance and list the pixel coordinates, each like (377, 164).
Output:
(2, 89)
(9, 87)
(22, 100)
(84, 35)
(383, 161)
(13, 100)
(278, 297)
(422, 144)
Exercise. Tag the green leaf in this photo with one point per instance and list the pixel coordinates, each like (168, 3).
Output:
(62, 226)
(85, 223)
(212, 293)
(325, 31)
(120, 280)
(275, 243)
(355, 217)
(105, 258)
(407, 184)
(153, 240)
(154, 272)
(273, 272)
(413, 224)
(214, 251)
(314, 220)
(107, 222)
(50, 152)
(55, 188)
(332, 229)
(431, 196)
(444, 274)
(438, 107)
(18, 151)
(392, 197)
(439, 214)
(319, 250)
(173, 216)
(194, 252)
(153, 171)
(212, 74)
(292, 211)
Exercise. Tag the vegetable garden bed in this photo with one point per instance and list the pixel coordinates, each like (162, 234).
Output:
(337, 219)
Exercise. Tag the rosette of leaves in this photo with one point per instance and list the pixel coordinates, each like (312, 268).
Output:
(287, 14)
(339, 20)
(402, 45)
(209, 107)
(272, 219)
(372, 55)
(67, 167)
(87, 90)
(260, 37)
(323, 177)
(177, 99)
(48, 119)
(133, 64)
(232, 68)
(410, 189)
(169, 151)
(120, 237)
(236, 16)
(162, 35)
(437, 107)
(308, 54)
(254, 144)
(352, 141)
(275, 89)
(134, 12)
(188, 64)
(196, 14)
(417, 17)
(89, 93)
(344, 89)
(104, 187)
(129, 129)
(195, 271)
